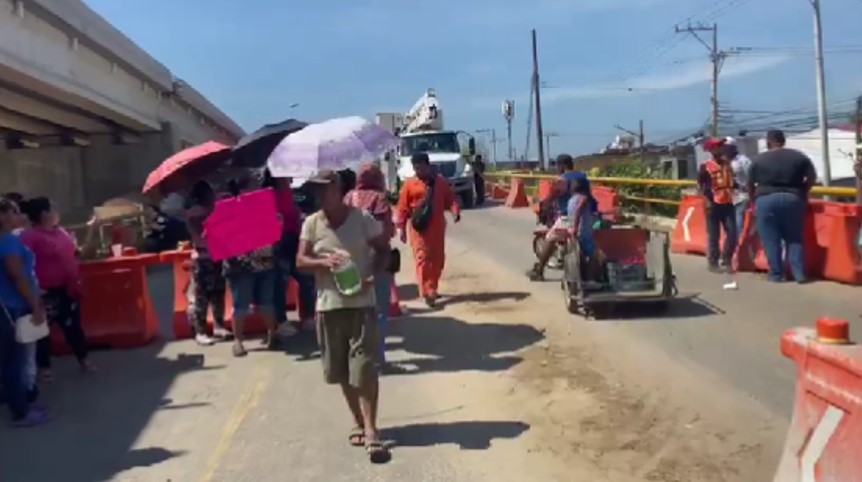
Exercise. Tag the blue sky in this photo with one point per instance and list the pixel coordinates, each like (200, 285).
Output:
(336, 57)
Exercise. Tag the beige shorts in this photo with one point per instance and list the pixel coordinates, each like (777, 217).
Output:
(349, 345)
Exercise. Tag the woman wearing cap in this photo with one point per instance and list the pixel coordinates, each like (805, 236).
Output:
(370, 196)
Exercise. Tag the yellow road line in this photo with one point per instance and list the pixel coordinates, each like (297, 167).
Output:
(234, 421)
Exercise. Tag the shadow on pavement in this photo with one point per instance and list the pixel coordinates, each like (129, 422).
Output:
(487, 297)
(678, 308)
(408, 292)
(447, 344)
(467, 435)
(302, 347)
(97, 418)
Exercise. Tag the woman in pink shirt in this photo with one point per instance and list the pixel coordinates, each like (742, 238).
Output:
(291, 217)
(59, 279)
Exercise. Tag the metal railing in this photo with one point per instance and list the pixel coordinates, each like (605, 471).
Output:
(644, 195)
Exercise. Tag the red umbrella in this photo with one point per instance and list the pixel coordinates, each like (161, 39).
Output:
(186, 167)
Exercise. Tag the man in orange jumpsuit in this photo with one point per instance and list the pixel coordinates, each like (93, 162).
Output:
(421, 205)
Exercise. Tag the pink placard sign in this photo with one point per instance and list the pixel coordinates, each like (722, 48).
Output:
(242, 224)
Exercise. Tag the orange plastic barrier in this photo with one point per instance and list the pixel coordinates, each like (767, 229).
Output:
(609, 202)
(841, 261)
(181, 261)
(546, 187)
(498, 193)
(517, 197)
(825, 437)
(116, 308)
(689, 235)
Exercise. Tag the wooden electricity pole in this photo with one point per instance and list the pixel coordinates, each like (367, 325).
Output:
(716, 57)
(538, 96)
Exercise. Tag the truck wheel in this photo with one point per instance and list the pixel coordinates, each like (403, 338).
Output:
(468, 199)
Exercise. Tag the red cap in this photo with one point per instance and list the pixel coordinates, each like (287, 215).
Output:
(714, 142)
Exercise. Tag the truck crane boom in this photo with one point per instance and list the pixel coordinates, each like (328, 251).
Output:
(424, 115)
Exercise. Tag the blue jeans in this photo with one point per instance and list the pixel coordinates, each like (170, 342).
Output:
(717, 217)
(780, 220)
(383, 294)
(253, 288)
(307, 293)
(13, 362)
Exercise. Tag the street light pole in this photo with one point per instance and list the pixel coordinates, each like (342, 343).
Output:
(821, 93)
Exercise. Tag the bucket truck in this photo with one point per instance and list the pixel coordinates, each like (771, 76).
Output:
(421, 130)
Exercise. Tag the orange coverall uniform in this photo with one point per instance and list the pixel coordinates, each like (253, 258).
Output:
(429, 245)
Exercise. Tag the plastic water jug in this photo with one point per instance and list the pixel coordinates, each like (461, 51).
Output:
(347, 278)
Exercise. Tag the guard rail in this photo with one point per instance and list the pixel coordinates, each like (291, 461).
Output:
(642, 194)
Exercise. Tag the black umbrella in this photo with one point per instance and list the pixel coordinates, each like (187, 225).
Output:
(253, 150)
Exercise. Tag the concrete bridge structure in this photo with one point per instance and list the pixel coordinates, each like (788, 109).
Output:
(85, 113)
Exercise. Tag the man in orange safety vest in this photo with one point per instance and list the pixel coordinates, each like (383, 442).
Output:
(716, 185)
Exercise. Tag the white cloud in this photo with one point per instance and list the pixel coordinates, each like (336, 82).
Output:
(668, 80)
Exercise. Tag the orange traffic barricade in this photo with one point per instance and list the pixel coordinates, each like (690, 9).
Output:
(116, 308)
(546, 187)
(609, 202)
(181, 261)
(517, 197)
(499, 193)
(841, 223)
(825, 437)
(689, 235)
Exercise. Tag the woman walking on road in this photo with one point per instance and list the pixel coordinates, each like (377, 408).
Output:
(421, 205)
(209, 283)
(57, 272)
(338, 237)
(19, 296)
(370, 196)
(252, 279)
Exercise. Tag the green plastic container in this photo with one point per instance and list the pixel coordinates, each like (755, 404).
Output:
(347, 278)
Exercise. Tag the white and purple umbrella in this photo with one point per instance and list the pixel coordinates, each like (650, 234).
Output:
(336, 144)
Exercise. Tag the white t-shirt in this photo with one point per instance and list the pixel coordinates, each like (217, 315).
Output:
(741, 166)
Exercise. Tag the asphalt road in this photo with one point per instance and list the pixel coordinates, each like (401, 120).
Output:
(500, 384)
(731, 334)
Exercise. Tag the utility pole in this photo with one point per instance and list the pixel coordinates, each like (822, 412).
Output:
(640, 136)
(821, 93)
(717, 57)
(537, 92)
